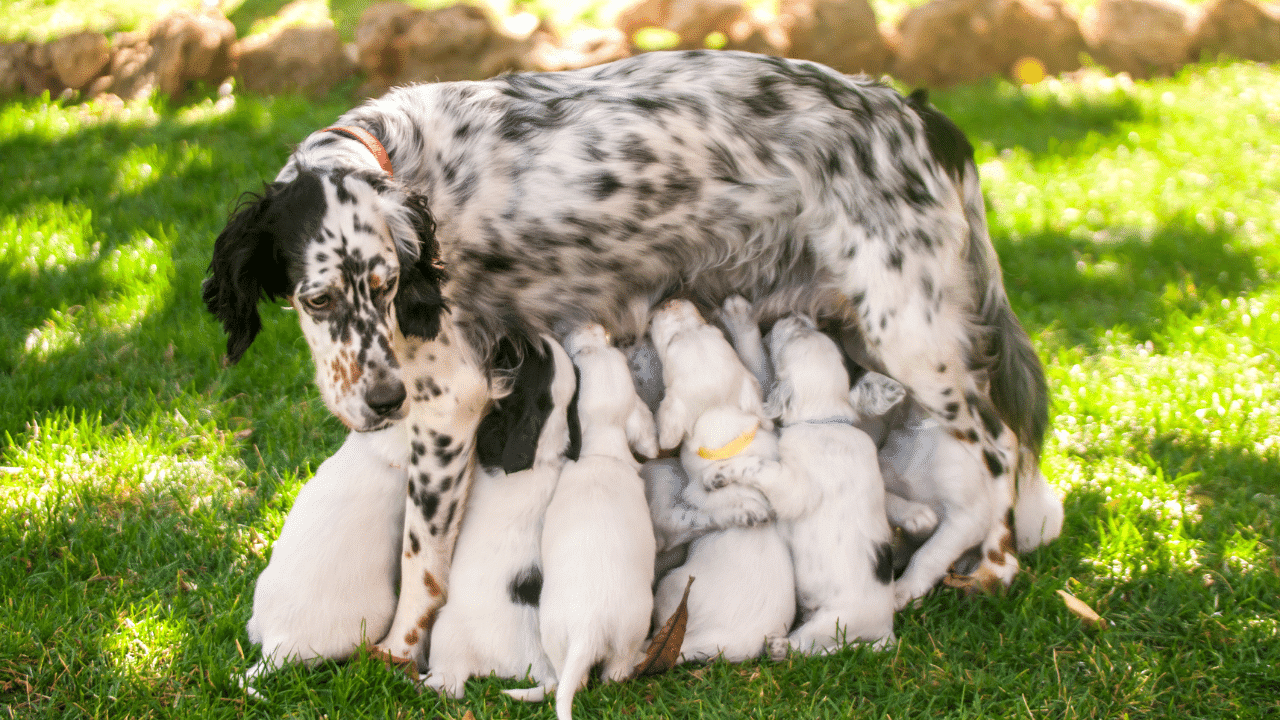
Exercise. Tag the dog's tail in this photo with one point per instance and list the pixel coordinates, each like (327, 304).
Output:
(573, 675)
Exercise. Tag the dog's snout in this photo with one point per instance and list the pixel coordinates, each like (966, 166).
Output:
(386, 398)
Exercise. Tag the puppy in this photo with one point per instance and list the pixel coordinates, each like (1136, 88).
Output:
(330, 585)
(938, 489)
(745, 588)
(597, 542)
(496, 576)
(682, 511)
(686, 345)
(824, 485)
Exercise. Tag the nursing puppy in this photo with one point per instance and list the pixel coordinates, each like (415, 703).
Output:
(825, 487)
(686, 345)
(496, 576)
(330, 585)
(683, 512)
(597, 542)
(745, 589)
(937, 490)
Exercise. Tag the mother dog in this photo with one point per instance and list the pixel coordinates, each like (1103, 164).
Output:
(495, 211)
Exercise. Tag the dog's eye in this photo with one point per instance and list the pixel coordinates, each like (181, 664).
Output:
(318, 303)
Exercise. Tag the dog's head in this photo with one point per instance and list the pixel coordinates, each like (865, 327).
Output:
(355, 254)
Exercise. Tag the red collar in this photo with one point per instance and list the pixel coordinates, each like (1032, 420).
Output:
(364, 137)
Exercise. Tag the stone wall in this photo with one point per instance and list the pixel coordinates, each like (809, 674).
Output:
(939, 44)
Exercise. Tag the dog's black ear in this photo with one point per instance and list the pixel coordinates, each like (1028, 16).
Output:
(508, 435)
(419, 302)
(265, 236)
(244, 266)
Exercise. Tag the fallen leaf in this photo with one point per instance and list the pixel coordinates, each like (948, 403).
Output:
(1083, 611)
(664, 652)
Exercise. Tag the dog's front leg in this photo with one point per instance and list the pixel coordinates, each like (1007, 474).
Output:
(439, 480)
(788, 493)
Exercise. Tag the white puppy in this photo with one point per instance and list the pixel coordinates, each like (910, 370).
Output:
(936, 485)
(825, 488)
(496, 576)
(744, 590)
(597, 542)
(330, 585)
(687, 345)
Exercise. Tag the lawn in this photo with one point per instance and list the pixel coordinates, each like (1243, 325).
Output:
(143, 481)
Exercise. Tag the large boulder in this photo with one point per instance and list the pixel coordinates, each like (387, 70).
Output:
(1238, 28)
(840, 33)
(179, 49)
(399, 44)
(1144, 38)
(79, 58)
(27, 68)
(308, 60)
(692, 20)
(948, 42)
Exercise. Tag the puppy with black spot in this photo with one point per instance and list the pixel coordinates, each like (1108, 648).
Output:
(330, 585)
(823, 481)
(597, 541)
(496, 576)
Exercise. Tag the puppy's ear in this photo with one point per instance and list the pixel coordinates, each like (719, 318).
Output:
(419, 302)
(508, 435)
(246, 264)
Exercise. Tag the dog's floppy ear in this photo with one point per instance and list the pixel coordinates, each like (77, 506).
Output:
(508, 435)
(419, 302)
(249, 256)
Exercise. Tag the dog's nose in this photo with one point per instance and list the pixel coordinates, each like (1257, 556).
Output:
(386, 398)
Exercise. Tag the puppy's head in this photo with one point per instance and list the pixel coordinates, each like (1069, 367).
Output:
(722, 433)
(353, 252)
(811, 382)
(587, 337)
(674, 317)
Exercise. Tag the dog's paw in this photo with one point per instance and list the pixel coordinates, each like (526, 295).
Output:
(909, 588)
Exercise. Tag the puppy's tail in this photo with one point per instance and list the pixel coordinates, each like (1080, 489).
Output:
(573, 675)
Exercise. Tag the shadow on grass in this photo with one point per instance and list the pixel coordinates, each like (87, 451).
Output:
(1126, 278)
(1004, 115)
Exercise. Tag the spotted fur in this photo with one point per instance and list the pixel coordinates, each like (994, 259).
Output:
(556, 199)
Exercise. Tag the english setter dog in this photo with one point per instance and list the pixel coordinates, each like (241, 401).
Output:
(534, 202)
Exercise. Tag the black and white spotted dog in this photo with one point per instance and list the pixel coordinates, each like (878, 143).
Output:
(532, 202)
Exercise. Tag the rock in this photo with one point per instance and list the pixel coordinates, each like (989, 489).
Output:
(692, 20)
(581, 47)
(188, 47)
(839, 33)
(398, 44)
(25, 69)
(127, 74)
(1238, 28)
(309, 60)
(79, 58)
(1144, 38)
(948, 42)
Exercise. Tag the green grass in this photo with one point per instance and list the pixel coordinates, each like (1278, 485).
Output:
(142, 481)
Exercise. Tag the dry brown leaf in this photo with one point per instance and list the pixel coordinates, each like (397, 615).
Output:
(1081, 610)
(664, 652)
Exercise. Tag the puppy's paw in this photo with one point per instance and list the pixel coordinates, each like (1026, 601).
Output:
(728, 472)
(738, 506)
(909, 588)
(737, 317)
(776, 647)
(919, 521)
